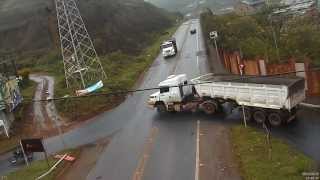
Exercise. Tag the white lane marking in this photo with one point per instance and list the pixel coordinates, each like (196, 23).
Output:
(198, 50)
(197, 151)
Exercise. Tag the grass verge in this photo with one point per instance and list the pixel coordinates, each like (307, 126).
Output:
(37, 168)
(7, 144)
(255, 162)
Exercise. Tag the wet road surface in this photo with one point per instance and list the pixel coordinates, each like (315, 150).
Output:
(172, 154)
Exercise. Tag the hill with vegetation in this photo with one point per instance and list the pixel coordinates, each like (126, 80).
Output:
(30, 27)
(125, 33)
(187, 6)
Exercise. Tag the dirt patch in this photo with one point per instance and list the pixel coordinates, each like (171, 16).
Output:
(43, 119)
(87, 159)
(216, 157)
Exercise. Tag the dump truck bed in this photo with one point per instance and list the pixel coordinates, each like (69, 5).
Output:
(263, 91)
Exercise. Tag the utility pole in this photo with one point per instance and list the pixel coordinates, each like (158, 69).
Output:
(82, 65)
(274, 38)
(214, 35)
(215, 44)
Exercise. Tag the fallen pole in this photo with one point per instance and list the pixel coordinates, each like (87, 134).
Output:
(310, 105)
(52, 168)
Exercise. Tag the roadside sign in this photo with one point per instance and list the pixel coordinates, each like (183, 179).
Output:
(241, 67)
(213, 34)
(32, 145)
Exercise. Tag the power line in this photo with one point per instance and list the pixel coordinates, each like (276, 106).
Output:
(157, 88)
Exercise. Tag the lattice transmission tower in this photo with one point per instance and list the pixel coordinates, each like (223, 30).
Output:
(82, 65)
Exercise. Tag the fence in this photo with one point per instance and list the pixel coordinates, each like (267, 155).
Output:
(232, 63)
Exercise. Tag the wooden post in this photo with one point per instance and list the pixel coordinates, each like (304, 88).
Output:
(24, 154)
(244, 116)
(46, 156)
(268, 142)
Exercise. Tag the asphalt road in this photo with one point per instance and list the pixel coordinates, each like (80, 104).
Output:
(172, 155)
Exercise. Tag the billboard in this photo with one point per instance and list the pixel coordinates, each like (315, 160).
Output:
(12, 95)
(32, 145)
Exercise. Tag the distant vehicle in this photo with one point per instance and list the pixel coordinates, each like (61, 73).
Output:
(47, 92)
(264, 99)
(169, 48)
(193, 31)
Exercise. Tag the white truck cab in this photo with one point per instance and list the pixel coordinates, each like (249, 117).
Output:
(172, 90)
(169, 48)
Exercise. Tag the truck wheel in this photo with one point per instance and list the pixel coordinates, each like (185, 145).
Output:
(209, 107)
(161, 108)
(275, 119)
(259, 116)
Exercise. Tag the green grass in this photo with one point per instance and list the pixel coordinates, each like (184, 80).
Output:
(29, 90)
(255, 163)
(37, 168)
(7, 144)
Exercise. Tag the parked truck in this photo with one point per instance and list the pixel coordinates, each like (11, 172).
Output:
(169, 48)
(263, 99)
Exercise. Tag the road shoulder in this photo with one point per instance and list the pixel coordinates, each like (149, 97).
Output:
(89, 155)
(216, 159)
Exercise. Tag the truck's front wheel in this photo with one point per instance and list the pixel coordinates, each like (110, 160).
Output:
(209, 107)
(161, 108)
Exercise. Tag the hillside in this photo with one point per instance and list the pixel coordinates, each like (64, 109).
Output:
(182, 6)
(126, 25)
(186, 6)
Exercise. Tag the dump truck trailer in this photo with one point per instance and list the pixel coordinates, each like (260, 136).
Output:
(263, 99)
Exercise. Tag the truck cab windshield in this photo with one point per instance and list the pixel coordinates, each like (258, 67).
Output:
(164, 89)
(166, 46)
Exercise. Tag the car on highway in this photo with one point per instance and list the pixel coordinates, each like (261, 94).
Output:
(193, 31)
